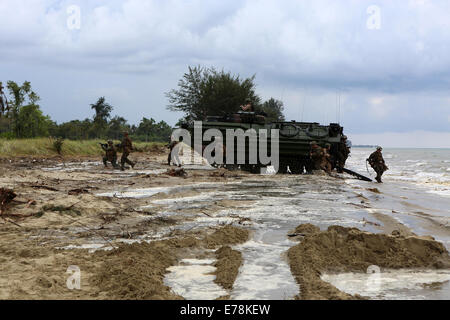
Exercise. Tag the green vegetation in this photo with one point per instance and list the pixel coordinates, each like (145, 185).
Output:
(60, 209)
(273, 109)
(201, 92)
(206, 92)
(45, 147)
(21, 117)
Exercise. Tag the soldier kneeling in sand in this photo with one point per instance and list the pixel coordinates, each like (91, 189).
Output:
(110, 154)
(376, 161)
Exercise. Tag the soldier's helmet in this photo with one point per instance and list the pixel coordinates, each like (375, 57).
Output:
(379, 148)
(248, 101)
(344, 137)
(110, 142)
(312, 143)
(327, 145)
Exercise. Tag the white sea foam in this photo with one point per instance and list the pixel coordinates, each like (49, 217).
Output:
(193, 280)
(421, 168)
(92, 247)
(391, 284)
(148, 192)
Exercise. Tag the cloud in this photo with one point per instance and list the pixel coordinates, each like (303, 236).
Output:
(306, 53)
(319, 43)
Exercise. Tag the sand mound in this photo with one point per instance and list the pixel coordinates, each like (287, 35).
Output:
(228, 264)
(136, 272)
(341, 249)
(228, 235)
(307, 229)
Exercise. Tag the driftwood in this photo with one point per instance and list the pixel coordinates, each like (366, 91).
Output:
(76, 192)
(6, 196)
(44, 187)
(177, 173)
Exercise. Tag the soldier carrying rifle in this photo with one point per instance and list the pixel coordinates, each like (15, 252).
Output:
(110, 154)
(376, 161)
(127, 148)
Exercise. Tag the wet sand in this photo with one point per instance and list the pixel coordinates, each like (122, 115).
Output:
(136, 234)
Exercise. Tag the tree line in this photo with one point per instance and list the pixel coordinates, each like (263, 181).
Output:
(201, 92)
(21, 117)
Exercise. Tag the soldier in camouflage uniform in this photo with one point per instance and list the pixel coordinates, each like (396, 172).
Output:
(342, 154)
(174, 145)
(316, 155)
(376, 161)
(110, 154)
(248, 106)
(325, 163)
(127, 147)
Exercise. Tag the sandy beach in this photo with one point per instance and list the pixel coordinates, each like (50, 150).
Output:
(144, 234)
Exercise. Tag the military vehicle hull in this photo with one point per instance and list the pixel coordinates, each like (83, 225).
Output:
(294, 141)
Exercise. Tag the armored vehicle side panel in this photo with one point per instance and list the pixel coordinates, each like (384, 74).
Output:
(294, 140)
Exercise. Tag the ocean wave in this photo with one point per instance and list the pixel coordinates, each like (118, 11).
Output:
(433, 176)
(420, 164)
(442, 192)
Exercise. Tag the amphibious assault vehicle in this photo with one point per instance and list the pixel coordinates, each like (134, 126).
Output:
(294, 140)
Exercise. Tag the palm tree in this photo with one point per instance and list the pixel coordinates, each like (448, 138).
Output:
(102, 111)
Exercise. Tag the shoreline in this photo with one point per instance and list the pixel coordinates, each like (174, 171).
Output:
(171, 222)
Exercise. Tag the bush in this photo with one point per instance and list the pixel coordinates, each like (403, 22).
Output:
(57, 144)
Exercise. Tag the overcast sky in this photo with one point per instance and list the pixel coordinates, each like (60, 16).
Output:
(387, 62)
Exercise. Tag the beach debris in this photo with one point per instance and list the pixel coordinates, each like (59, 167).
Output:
(370, 223)
(69, 210)
(362, 205)
(6, 196)
(179, 172)
(222, 173)
(76, 192)
(396, 233)
(44, 187)
(30, 203)
(292, 235)
(374, 190)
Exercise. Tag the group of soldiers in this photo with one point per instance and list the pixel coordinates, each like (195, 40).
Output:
(323, 159)
(326, 160)
(111, 152)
